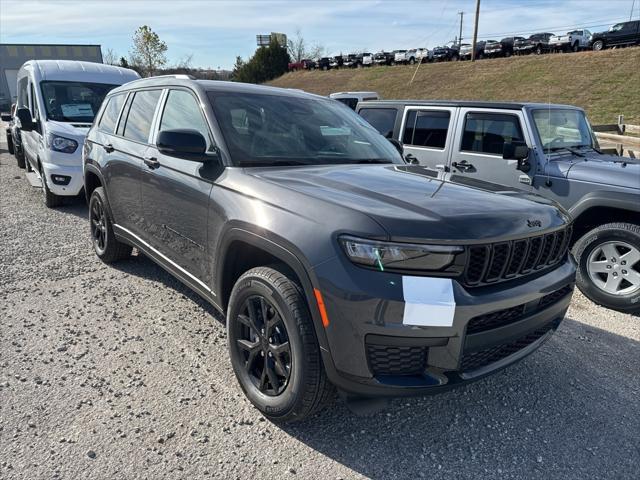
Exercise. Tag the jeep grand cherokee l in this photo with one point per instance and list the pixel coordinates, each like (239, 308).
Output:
(336, 263)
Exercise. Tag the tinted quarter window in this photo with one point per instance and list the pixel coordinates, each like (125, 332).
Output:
(426, 128)
(382, 119)
(111, 111)
(140, 115)
(488, 132)
(183, 111)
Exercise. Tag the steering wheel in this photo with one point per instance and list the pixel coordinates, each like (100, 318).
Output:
(555, 141)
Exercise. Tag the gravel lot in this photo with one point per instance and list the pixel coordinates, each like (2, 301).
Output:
(120, 373)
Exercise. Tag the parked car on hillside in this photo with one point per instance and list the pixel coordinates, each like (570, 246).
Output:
(351, 99)
(336, 61)
(493, 48)
(423, 55)
(304, 64)
(575, 41)
(466, 49)
(445, 54)
(57, 103)
(383, 58)
(399, 56)
(542, 149)
(351, 60)
(508, 45)
(365, 59)
(334, 263)
(620, 34)
(323, 63)
(537, 43)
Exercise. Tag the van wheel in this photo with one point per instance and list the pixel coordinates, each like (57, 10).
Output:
(608, 260)
(12, 150)
(51, 200)
(273, 347)
(598, 45)
(105, 244)
(19, 154)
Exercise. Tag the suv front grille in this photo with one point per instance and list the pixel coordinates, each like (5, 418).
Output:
(474, 360)
(497, 262)
(396, 360)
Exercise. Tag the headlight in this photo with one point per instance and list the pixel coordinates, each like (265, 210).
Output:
(402, 256)
(61, 144)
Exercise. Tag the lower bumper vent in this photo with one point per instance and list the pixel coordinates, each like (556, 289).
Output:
(397, 360)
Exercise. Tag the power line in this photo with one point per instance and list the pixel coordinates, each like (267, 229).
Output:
(560, 27)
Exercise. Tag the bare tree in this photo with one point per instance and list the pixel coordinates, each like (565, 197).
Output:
(110, 57)
(148, 50)
(298, 49)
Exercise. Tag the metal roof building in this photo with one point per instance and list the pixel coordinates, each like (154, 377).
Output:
(13, 55)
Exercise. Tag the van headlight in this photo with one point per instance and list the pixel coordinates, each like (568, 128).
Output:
(403, 256)
(61, 144)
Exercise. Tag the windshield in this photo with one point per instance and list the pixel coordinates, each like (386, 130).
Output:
(267, 130)
(73, 101)
(560, 128)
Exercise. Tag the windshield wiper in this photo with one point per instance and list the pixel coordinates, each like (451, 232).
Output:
(569, 149)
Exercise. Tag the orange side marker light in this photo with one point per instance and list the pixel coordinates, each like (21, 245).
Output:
(321, 307)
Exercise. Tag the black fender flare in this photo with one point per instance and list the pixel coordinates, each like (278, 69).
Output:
(618, 200)
(290, 256)
(88, 167)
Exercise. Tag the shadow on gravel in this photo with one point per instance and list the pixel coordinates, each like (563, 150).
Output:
(76, 206)
(141, 266)
(567, 411)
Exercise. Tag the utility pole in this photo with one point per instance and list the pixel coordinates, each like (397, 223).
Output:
(460, 36)
(633, 4)
(475, 32)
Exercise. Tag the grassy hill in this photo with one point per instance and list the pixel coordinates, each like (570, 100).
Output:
(606, 84)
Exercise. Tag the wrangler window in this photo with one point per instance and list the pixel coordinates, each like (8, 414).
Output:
(488, 132)
(426, 128)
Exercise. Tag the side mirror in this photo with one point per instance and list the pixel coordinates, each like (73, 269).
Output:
(25, 120)
(515, 151)
(397, 145)
(182, 143)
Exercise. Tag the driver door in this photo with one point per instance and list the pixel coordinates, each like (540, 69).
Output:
(477, 160)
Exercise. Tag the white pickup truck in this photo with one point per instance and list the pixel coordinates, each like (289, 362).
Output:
(571, 41)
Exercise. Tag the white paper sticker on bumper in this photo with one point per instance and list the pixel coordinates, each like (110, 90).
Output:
(428, 301)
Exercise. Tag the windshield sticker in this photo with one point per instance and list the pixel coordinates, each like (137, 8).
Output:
(429, 301)
(71, 110)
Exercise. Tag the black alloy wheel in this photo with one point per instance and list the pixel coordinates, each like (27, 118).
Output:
(98, 220)
(263, 339)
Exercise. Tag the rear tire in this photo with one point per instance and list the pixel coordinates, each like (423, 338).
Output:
(51, 200)
(273, 346)
(598, 45)
(576, 47)
(608, 259)
(10, 145)
(107, 247)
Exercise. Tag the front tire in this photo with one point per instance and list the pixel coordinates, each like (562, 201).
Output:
(608, 260)
(273, 346)
(107, 247)
(51, 200)
(598, 45)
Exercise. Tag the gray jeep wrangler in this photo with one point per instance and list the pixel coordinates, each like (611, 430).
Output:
(549, 150)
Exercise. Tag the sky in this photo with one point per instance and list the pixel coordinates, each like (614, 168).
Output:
(216, 31)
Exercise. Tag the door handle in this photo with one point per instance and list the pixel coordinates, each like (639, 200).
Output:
(108, 148)
(442, 167)
(411, 159)
(463, 165)
(152, 162)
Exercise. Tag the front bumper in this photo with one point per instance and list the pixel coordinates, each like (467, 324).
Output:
(373, 353)
(72, 184)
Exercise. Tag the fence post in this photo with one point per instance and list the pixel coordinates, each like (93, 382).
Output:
(621, 124)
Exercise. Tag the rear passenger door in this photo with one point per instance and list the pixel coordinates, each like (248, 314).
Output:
(479, 140)
(426, 135)
(175, 191)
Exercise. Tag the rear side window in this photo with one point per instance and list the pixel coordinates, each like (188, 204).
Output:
(111, 111)
(488, 132)
(182, 111)
(140, 115)
(382, 119)
(426, 128)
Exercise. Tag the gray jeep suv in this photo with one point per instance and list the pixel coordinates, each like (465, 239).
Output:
(335, 262)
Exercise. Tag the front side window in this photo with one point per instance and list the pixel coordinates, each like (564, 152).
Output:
(560, 128)
(73, 101)
(140, 115)
(382, 119)
(267, 130)
(23, 93)
(617, 27)
(426, 128)
(182, 111)
(111, 112)
(488, 132)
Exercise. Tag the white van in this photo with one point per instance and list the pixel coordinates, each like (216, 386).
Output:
(351, 99)
(56, 105)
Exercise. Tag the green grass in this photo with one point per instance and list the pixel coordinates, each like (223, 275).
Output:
(606, 84)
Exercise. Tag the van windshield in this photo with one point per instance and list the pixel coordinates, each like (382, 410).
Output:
(268, 130)
(562, 128)
(76, 102)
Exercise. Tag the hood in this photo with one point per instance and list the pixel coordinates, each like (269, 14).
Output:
(77, 131)
(604, 169)
(413, 206)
